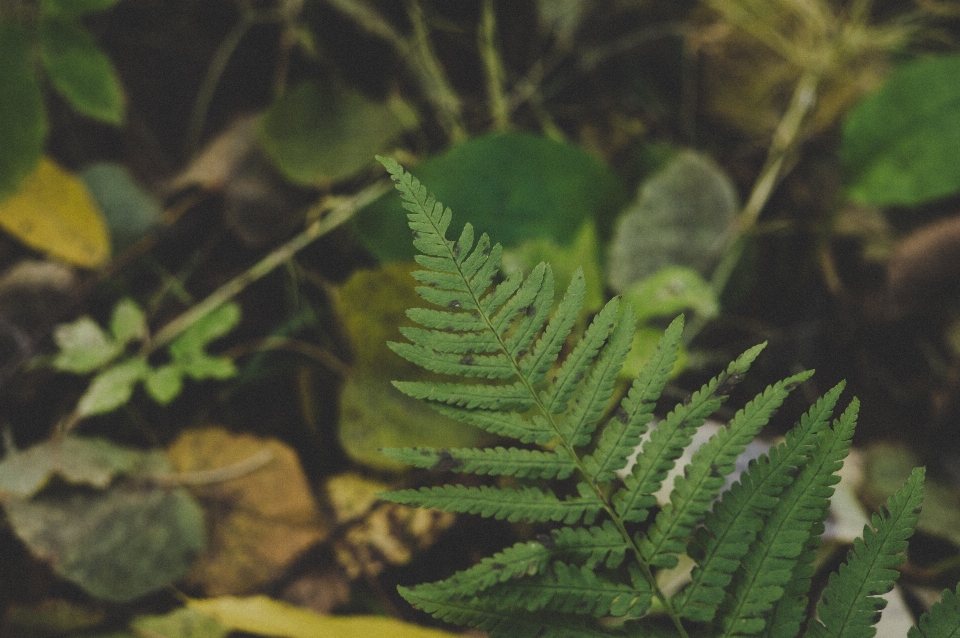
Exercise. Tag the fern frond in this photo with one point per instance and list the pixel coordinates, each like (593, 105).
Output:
(592, 396)
(575, 366)
(509, 424)
(591, 546)
(732, 525)
(460, 342)
(535, 366)
(526, 558)
(570, 588)
(769, 565)
(471, 396)
(497, 366)
(490, 616)
(943, 619)
(851, 603)
(672, 436)
(706, 475)
(497, 461)
(522, 504)
(622, 433)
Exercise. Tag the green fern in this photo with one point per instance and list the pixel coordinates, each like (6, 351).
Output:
(595, 572)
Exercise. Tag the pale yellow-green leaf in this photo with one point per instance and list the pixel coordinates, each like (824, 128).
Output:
(54, 213)
(262, 615)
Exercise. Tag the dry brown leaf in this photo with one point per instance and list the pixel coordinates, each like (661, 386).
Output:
(258, 520)
(378, 533)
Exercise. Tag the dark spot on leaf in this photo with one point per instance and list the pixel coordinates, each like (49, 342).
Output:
(467, 361)
(579, 377)
(521, 352)
(530, 310)
(728, 384)
(446, 462)
(547, 540)
(415, 234)
(486, 250)
(454, 304)
(621, 415)
(498, 566)
(876, 618)
(456, 250)
(715, 471)
(916, 511)
(448, 329)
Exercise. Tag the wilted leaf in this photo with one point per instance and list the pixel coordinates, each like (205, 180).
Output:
(23, 126)
(316, 133)
(262, 615)
(53, 213)
(79, 460)
(84, 346)
(112, 388)
(513, 186)
(260, 520)
(118, 544)
(376, 533)
(681, 217)
(128, 323)
(80, 71)
(900, 144)
(130, 211)
(184, 622)
(670, 291)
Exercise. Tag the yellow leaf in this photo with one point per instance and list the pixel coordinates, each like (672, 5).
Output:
(261, 514)
(262, 615)
(54, 213)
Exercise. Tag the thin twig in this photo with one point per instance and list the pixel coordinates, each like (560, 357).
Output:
(492, 66)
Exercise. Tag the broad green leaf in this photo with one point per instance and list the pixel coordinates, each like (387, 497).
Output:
(112, 388)
(79, 460)
(681, 216)
(129, 210)
(23, 126)
(128, 323)
(80, 71)
(54, 213)
(899, 145)
(315, 133)
(84, 346)
(515, 186)
(74, 8)
(117, 544)
(201, 366)
(163, 384)
(670, 291)
(267, 617)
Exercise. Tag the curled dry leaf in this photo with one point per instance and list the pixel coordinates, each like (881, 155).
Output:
(258, 520)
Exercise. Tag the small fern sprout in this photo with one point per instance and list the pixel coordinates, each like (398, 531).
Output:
(595, 573)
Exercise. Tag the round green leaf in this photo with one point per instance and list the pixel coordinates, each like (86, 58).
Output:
(128, 322)
(670, 291)
(681, 216)
(80, 71)
(313, 133)
(513, 186)
(900, 144)
(131, 212)
(118, 544)
(164, 383)
(23, 125)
